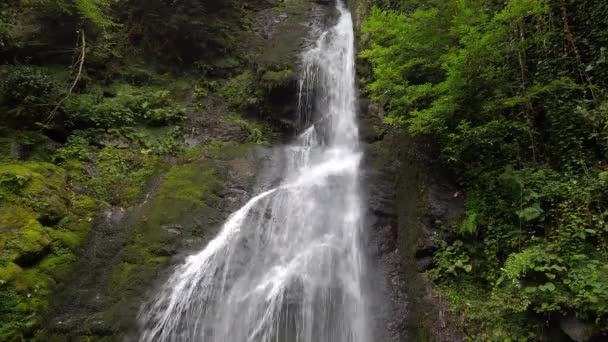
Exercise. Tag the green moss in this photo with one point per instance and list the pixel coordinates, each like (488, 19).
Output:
(35, 258)
(57, 266)
(85, 205)
(186, 188)
(32, 282)
(119, 178)
(41, 177)
(32, 241)
(241, 91)
(9, 272)
(23, 237)
(40, 186)
(67, 239)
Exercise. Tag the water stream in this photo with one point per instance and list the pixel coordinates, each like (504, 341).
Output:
(287, 266)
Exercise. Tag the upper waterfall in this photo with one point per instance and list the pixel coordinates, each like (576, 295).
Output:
(288, 265)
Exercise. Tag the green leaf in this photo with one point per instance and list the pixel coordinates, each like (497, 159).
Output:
(530, 213)
(469, 225)
(550, 287)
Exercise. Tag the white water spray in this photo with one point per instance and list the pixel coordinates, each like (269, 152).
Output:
(286, 267)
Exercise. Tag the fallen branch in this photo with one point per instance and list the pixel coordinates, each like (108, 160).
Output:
(81, 60)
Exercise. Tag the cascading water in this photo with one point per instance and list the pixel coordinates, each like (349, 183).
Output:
(288, 265)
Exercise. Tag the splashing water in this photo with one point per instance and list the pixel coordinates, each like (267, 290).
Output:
(288, 265)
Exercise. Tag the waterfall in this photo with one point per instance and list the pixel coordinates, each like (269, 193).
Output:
(287, 266)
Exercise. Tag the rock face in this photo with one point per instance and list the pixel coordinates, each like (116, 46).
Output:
(408, 197)
(280, 34)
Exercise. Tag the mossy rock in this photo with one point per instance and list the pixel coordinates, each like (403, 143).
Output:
(9, 272)
(40, 186)
(34, 257)
(24, 240)
(186, 188)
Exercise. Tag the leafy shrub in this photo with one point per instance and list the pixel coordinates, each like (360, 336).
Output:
(125, 109)
(76, 148)
(241, 92)
(29, 93)
(158, 109)
(255, 132)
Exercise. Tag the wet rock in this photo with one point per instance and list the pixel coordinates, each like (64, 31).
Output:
(425, 247)
(174, 229)
(578, 330)
(371, 122)
(16, 151)
(406, 194)
(116, 141)
(165, 251)
(424, 264)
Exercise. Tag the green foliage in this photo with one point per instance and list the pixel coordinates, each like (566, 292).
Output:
(36, 246)
(121, 174)
(186, 31)
(241, 91)
(452, 260)
(203, 89)
(107, 129)
(256, 133)
(129, 107)
(513, 95)
(76, 148)
(94, 11)
(273, 79)
(29, 93)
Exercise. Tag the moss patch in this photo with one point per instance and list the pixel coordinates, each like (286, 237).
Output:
(33, 256)
(184, 207)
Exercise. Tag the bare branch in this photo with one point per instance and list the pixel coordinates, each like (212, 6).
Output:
(81, 60)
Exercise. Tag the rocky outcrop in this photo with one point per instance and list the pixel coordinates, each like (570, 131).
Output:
(279, 36)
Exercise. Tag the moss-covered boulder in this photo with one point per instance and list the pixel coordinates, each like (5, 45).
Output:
(40, 186)
(41, 225)
(23, 240)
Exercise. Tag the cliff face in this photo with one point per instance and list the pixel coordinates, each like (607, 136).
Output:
(408, 198)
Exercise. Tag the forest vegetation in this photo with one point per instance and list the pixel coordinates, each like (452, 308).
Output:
(514, 93)
(96, 98)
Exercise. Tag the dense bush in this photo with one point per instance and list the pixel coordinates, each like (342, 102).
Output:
(515, 94)
(127, 108)
(29, 93)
